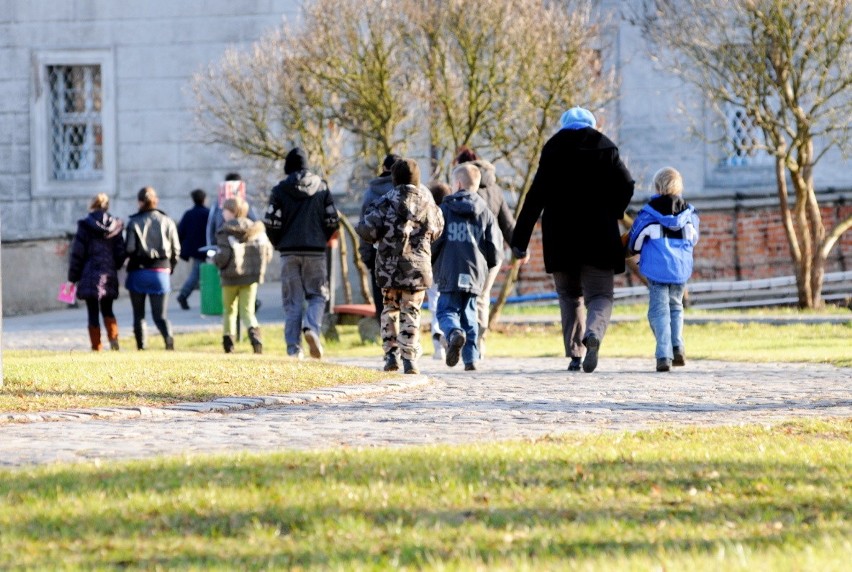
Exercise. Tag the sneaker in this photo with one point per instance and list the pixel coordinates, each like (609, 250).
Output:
(664, 364)
(184, 305)
(454, 346)
(592, 346)
(575, 364)
(314, 345)
(470, 367)
(679, 357)
(438, 344)
(298, 356)
(170, 343)
(391, 361)
(409, 366)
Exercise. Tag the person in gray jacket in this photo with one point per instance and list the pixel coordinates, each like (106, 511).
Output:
(468, 248)
(376, 189)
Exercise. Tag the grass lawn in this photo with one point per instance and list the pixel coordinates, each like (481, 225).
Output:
(743, 498)
(42, 381)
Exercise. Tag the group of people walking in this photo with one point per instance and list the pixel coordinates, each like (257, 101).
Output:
(441, 243)
(151, 247)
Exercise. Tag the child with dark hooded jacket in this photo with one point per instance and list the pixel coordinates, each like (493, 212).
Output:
(664, 233)
(469, 247)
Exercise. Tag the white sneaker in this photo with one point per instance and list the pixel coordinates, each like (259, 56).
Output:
(438, 343)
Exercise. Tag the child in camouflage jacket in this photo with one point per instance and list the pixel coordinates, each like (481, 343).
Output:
(403, 224)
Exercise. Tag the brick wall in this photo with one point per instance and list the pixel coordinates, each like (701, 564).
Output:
(736, 244)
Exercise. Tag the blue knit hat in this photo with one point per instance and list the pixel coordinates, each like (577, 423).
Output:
(577, 118)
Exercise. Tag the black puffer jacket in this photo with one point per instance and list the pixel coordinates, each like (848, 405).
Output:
(97, 253)
(582, 187)
(301, 216)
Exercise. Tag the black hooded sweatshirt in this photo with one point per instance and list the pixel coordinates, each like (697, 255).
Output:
(301, 215)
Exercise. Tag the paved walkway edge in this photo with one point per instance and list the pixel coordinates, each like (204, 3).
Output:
(223, 404)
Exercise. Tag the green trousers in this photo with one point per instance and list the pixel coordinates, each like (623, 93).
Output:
(238, 299)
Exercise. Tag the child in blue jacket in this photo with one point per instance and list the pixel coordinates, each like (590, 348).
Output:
(665, 232)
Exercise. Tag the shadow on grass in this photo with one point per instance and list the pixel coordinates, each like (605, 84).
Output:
(438, 508)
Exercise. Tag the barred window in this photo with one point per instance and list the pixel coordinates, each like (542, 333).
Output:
(744, 141)
(75, 122)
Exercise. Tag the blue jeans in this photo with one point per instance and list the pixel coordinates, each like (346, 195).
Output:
(191, 282)
(457, 311)
(303, 281)
(665, 314)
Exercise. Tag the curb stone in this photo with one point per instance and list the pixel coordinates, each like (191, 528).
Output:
(220, 404)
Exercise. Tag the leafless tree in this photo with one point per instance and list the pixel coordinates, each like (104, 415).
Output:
(257, 103)
(786, 65)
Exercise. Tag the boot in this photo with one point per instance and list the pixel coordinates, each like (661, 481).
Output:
(139, 333)
(95, 338)
(112, 333)
(391, 361)
(256, 342)
(410, 366)
(228, 344)
(170, 342)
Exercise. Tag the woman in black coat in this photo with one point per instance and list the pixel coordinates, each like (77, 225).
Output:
(97, 253)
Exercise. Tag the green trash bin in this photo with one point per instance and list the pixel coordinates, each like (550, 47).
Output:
(211, 290)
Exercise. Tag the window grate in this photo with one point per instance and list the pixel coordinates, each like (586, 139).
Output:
(76, 123)
(744, 141)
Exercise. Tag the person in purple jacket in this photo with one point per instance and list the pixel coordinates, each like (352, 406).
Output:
(97, 252)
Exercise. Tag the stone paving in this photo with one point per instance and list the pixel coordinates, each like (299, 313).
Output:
(506, 399)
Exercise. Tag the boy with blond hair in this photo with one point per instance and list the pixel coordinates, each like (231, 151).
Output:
(470, 246)
(664, 233)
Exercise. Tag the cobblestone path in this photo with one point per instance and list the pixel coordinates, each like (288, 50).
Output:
(506, 399)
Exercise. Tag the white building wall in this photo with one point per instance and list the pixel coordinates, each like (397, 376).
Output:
(156, 47)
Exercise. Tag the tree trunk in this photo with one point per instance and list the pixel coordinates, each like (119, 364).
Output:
(497, 307)
(344, 269)
(363, 273)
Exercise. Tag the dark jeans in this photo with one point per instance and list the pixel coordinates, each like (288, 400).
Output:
(159, 304)
(191, 282)
(97, 308)
(595, 287)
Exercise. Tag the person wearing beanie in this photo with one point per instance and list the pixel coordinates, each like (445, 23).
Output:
(403, 224)
(376, 189)
(301, 221)
(581, 190)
